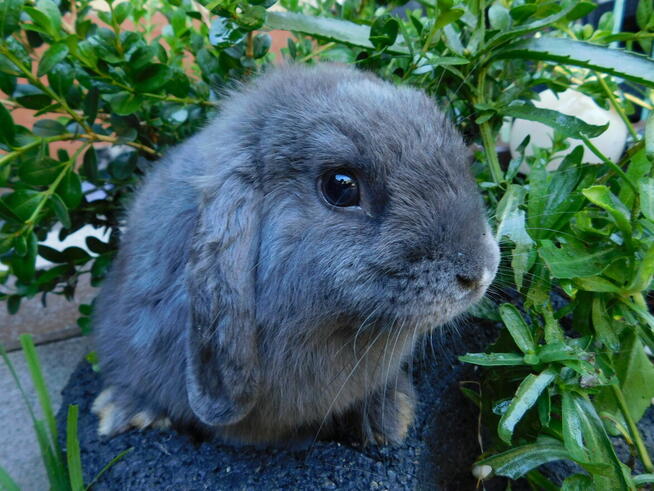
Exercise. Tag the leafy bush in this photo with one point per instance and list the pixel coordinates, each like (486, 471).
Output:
(571, 369)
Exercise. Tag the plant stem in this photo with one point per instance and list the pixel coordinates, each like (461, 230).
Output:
(609, 162)
(633, 429)
(616, 105)
(72, 136)
(486, 134)
(44, 88)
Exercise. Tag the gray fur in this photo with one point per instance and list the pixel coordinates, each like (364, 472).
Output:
(242, 305)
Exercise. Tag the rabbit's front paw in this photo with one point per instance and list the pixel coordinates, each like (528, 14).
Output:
(117, 414)
(391, 419)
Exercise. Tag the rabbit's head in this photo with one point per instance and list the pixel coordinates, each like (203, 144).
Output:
(330, 199)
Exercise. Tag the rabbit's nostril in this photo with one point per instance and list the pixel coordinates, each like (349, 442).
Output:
(468, 282)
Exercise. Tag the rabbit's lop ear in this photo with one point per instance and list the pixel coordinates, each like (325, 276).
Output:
(222, 369)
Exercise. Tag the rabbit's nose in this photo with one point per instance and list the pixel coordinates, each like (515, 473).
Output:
(474, 280)
(468, 281)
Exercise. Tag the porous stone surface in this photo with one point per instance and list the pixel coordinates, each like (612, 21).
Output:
(438, 452)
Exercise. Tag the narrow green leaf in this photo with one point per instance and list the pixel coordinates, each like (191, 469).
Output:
(332, 29)
(585, 438)
(518, 328)
(577, 482)
(521, 30)
(73, 457)
(7, 124)
(493, 359)
(604, 198)
(597, 284)
(569, 126)
(108, 466)
(643, 479)
(54, 465)
(48, 127)
(6, 482)
(621, 63)
(36, 373)
(526, 396)
(516, 462)
(646, 191)
(603, 327)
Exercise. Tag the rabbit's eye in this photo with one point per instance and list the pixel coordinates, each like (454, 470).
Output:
(340, 189)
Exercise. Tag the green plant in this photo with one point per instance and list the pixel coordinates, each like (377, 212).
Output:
(64, 468)
(571, 369)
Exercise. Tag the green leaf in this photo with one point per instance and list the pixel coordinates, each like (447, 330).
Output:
(52, 255)
(383, 32)
(649, 137)
(121, 11)
(55, 53)
(22, 203)
(73, 457)
(577, 482)
(224, 33)
(7, 134)
(36, 373)
(60, 210)
(521, 30)
(528, 393)
(49, 9)
(603, 327)
(646, 191)
(252, 17)
(331, 29)
(499, 17)
(6, 482)
(636, 374)
(152, 77)
(40, 172)
(596, 284)
(574, 259)
(518, 328)
(569, 126)
(604, 198)
(448, 17)
(48, 127)
(70, 190)
(586, 440)
(261, 45)
(97, 246)
(30, 97)
(493, 359)
(643, 479)
(516, 462)
(9, 17)
(621, 63)
(123, 103)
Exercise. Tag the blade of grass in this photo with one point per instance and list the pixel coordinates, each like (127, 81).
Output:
(108, 466)
(72, 450)
(54, 467)
(36, 372)
(6, 482)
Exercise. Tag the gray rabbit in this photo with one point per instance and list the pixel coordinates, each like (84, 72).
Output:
(278, 268)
